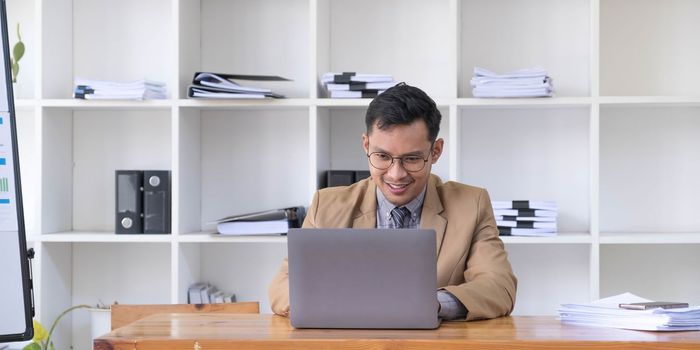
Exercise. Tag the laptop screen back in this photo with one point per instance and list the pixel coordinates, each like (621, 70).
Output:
(362, 278)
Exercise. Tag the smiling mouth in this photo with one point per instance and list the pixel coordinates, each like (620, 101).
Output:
(397, 186)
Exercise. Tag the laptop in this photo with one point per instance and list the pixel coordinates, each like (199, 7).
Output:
(363, 278)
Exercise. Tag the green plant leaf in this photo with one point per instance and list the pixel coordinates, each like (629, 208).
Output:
(40, 332)
(17, 54)
(32, 346)
(18, 51)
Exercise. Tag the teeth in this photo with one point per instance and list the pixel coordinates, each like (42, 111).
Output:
(397, 186)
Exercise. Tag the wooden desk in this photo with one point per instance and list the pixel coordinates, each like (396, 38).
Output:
(229, 331)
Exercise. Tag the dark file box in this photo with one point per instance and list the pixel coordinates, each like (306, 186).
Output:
(344, 177)
(156, 201)
(129, 201)
(361, 175)
(340, 178)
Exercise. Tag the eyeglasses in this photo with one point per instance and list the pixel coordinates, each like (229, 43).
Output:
(383, 161)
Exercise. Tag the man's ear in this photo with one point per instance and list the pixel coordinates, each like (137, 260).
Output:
(365, 143)
(437, 150)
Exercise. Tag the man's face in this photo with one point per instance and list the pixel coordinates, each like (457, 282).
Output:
(398, 185)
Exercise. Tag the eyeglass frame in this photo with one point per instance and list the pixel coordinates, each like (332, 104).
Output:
(430, 152)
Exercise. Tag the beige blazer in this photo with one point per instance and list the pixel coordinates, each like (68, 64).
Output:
(472, 263)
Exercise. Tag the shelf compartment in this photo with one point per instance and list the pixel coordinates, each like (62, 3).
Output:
(645, 54)
(201, 262)
(87, 273)
(103, 40)
(649, 172)
(359, 36)
(506, 35)
(657, 273)
(218, 146)
(120, 272)
(266, 37)
(81, 149)
(533, 154)
(549, 275)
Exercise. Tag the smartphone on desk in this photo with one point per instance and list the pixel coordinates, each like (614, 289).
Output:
(653, 305)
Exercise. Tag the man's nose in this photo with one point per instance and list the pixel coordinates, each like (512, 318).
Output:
(396, 170)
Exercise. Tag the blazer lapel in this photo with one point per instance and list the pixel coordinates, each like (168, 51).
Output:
(366, 215)
(430, 217)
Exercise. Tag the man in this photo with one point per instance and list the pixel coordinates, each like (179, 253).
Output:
(401, 144)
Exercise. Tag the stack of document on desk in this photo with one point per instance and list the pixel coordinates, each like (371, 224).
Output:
(525, 218)
(222, 86)
(112, 90)
(530, 82)
(607, 313)
(356, 85)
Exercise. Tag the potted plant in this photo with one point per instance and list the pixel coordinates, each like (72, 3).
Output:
(42, 338)
(100, 321)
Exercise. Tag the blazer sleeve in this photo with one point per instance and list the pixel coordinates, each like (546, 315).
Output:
(278, 291)
(490, 285)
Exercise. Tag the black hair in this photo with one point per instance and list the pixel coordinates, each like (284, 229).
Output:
(402, 104)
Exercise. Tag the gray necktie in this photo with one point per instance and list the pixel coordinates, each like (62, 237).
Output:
(400, 216)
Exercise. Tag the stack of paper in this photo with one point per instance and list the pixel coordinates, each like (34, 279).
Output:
(207, 293)
(271, 222)
(607, 313)
(530, 82)
(526, 218)
(111, 90)
(356, 85)
(222, 86)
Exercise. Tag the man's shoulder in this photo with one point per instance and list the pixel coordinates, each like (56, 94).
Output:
(454, 187)
(337, 206)
(456, 193)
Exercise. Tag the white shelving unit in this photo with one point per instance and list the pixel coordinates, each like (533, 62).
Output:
(617, 148)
